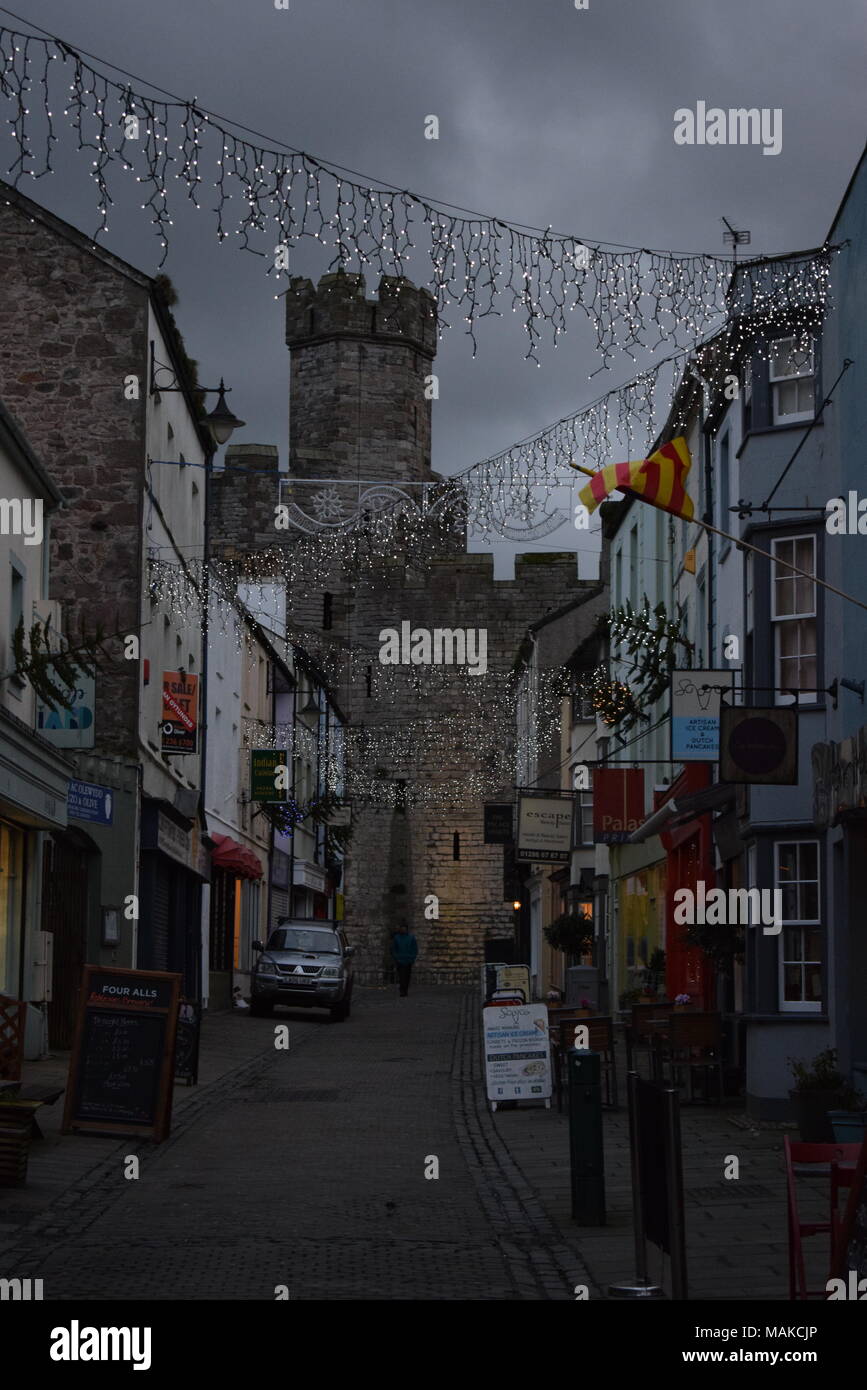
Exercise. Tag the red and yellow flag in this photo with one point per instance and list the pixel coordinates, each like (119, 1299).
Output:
(660, 480)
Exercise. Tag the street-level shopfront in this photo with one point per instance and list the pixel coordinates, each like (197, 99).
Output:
(682, 819)
(174, 865)
(34, 783)
(311, 890)
(840, 812)
(235, 918)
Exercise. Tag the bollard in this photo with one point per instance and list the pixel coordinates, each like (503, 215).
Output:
(585, 1138)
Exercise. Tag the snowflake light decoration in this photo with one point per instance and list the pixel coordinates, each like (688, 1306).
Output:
(327, 506)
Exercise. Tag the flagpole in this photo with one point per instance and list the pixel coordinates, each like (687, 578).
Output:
(744, 545)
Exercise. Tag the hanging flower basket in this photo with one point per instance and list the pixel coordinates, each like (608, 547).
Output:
(16, 1127)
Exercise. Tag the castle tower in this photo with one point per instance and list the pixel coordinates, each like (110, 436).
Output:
(358, 407)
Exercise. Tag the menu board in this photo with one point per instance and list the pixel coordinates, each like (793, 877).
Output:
(517, 1056)
(122, 1066)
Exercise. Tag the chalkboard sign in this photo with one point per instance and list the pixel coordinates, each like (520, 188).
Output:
(122, 1066)
(187, 1048)
(852, 1241)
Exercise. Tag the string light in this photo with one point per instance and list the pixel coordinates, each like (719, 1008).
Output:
(633, 298)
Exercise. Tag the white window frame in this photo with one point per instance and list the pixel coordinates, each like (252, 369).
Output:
(583, 804)
(779, 348)
(810, 697)
(797, 1006)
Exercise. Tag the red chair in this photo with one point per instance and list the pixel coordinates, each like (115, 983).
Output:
(830, 1156)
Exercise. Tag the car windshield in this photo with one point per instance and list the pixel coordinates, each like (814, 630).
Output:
(313, 942)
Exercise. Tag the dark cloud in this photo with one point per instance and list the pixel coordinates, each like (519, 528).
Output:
(548, 115)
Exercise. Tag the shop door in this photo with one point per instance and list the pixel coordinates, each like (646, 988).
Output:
(161, 917)
(222, 952)
(65, 869)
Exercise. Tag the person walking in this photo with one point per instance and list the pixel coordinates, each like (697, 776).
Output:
(404, 949)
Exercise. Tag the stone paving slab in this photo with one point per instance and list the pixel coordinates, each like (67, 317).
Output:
(736, 1228)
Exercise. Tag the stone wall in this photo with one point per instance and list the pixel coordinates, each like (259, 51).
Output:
(74, 326)
(358, 395)
(357, 405)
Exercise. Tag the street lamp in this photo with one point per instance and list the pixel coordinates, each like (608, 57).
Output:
(311, 709)
(220, 422)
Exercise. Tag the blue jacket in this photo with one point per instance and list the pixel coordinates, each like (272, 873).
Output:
(404, 948)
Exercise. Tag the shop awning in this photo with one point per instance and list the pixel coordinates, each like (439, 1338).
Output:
(683, 808)
(235, 858)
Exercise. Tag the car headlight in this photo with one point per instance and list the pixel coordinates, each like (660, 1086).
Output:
(270, 970)
(331, 972)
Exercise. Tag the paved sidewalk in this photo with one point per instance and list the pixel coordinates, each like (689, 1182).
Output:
(736, 1227)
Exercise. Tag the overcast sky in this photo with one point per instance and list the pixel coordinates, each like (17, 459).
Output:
(548, 115)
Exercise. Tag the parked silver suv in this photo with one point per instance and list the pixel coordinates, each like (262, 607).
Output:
(307, 963)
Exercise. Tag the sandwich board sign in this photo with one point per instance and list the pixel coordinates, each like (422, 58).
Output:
(122, 1067)
(517, 1054)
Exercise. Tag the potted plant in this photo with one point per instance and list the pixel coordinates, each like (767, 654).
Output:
(819, 1087)
(571, 932)
(849, 1122)
(653, 974)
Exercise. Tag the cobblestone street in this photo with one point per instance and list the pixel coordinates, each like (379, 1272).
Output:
(303, 1168)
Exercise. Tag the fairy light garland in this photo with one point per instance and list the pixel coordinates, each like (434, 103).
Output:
(633, 298)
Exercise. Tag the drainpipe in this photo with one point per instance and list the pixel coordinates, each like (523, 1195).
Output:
(708, 515)
(203, 704)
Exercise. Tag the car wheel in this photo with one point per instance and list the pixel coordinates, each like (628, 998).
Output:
(338, 1012)
(261, 1008)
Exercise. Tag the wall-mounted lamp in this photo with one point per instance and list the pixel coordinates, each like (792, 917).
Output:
(220, 423)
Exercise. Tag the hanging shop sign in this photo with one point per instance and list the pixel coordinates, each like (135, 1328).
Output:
(179, 728)
(517, 1055)
(545, 829)
(759, 745)
(73, 727)
(264, 763)
(122, 1065)
(618, 803)
(499, 823)
(695, 706)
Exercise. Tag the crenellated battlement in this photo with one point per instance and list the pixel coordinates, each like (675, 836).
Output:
(337, 307)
